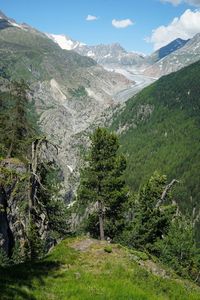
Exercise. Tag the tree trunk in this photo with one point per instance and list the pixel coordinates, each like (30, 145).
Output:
(166, 190)
(101, 225)
(10, 150)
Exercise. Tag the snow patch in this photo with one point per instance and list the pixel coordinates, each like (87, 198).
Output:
(90, 54)
(70, 168)
(62, 41)
(15, 25)
(108, 55)
(65, 42)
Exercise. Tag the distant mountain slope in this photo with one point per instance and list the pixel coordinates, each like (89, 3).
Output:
(160, 130)
(172, 57)
(113, 55)
(166, 50)
(178, 59)
(69, 90)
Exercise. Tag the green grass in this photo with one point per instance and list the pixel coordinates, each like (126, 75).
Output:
(67, 273)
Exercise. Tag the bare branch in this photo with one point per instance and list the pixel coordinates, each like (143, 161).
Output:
(166, 190)
(38, 180)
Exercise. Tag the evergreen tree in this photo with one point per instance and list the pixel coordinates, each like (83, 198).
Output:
(4, 260)
(19, 129)
(179, 249)
(150, 222)
(102, 183)
(51, 199)
(34, 247)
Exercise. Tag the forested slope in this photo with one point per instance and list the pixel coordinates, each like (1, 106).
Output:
(160, 130)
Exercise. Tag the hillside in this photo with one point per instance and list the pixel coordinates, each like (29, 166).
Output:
(159, 130)
(185, 55)
(88, 269)
(69, 90)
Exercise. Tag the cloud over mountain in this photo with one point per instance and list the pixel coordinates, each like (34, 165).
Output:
(185, 27)
(176, 2)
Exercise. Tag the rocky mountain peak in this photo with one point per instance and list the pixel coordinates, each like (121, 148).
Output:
(3, 16)
(167, 50)
(6, 22)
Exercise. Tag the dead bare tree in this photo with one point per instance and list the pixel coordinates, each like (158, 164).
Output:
(35, 180)
(164, 193)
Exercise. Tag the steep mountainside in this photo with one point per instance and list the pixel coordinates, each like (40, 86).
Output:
(166, 50)
(69, 90)
(178, 59)
(159, 130)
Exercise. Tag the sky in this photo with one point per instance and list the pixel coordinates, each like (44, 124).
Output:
(138, 25)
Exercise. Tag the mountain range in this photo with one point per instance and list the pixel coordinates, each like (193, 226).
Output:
(170, 58)
(69, 90)
(70, 85)
(113, 55)
(152, 103)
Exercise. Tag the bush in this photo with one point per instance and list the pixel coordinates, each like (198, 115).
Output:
(4, 260)
(179, 250)
(141, 255)
(108, 249)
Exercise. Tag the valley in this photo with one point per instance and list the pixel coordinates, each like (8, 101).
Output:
(140, 82)
(99, 166)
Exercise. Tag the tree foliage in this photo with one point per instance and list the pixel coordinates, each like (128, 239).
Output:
(102, 183)
(18, 124)
(37, 192)
(162, 122)
(150, 222)
(179, 249)
(51, 199)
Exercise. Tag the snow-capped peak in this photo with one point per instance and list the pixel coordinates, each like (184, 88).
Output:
(64, 41)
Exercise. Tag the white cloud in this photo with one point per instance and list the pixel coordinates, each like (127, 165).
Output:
(91, 18)
(122, 23)
(174, 2)
(177, 2)
(184, 27)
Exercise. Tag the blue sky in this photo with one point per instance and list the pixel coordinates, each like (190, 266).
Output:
(69, 17)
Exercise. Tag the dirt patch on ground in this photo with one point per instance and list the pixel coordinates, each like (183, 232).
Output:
(154, 268)
(83, 245)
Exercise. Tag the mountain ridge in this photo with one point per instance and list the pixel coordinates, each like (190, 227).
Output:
(114, 56)
(182, 57)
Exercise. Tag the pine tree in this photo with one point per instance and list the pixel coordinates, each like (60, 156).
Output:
(102, 183)
(34, 245)
(18, 128)
(179, 248)
(150, 222)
